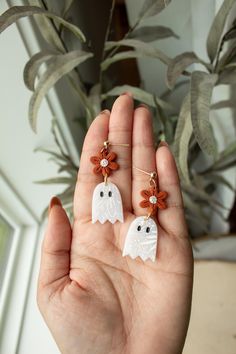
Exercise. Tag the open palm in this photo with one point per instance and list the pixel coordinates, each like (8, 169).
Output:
(93, 299)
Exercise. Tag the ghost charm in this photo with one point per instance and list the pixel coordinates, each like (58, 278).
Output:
(107, 203)
(141, 240)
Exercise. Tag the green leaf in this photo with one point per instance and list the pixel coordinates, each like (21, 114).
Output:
(70, 170)
(142, 49)
(178, 65)
(32, 66)
(183, 133)
(95, 98)
(223, 104)
(229, 151)
(227, 57)
(131, 54)
(67, 7)
(217, 28)
(231, 34)
(200, 194)
(152, 33)
(58, 157)
(226, 158)
(146, 49)
(15, 13)
(195, 209)
(47, 28)
(61, 66)
(139, 95)
(152, 8)
(228, 76)
(219, 179)
(57, 180)
(202, 85)
(166, 122)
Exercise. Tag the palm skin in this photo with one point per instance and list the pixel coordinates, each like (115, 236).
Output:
(93, 299)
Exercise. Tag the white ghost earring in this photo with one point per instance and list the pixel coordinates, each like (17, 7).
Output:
(106, 202)
(142, 236)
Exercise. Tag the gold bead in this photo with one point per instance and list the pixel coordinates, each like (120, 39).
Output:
(153, 175)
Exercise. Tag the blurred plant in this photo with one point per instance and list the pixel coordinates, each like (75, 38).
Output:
(189, 132)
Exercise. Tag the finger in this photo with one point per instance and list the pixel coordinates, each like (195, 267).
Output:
(172, 219)
(55, 257)
(120, 132)
(143, 156)
(87, 180)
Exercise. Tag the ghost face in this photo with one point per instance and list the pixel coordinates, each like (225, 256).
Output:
(141, 240)
(106, 204)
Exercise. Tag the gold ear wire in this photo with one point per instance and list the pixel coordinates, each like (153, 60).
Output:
(125, 145)
(107, 143)
(152, 175)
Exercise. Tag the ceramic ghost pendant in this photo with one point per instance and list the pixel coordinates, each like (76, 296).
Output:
(141, 240)
(107, 204)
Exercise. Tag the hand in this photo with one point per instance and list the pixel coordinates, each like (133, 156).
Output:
(93, 300)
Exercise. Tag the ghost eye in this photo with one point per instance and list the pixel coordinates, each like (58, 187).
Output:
(148, 229)
(139, 228)
(101, 194)
(109, 193)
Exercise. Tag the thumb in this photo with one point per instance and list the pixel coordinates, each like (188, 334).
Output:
(55, 255)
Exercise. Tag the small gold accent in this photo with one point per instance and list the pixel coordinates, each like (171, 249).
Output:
(153, 175)
(106, 144)
(105, 179)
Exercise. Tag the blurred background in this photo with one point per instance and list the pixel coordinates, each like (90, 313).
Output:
(34, 167)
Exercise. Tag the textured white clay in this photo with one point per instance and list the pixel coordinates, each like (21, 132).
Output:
(107, 204)
(141, 239)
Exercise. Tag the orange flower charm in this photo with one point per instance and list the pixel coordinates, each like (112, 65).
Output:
(153, 200)
(104, 162)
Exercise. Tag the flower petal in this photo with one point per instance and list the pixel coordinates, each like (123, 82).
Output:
(102, 154)
(153, 191)
(144, 204)
(113, 165)
(106, 171)
(111, 156)
(145, 194)
(97, 169)
(95, 160)
(162, 195)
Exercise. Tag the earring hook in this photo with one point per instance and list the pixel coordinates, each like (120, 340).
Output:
(152, 175)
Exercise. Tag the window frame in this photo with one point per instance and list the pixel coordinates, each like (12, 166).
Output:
(20, 264)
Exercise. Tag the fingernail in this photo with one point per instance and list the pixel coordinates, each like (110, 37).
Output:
(106, 111)
(163, 143)
(143, 105)
(54, 201)
(127, 94)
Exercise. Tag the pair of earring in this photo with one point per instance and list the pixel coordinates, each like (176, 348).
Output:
(141, 239)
